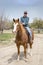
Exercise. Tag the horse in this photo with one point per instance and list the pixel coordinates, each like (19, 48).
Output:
(22, 36)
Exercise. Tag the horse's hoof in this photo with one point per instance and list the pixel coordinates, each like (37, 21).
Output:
(25, 59)
(18, 59)
(30, 54)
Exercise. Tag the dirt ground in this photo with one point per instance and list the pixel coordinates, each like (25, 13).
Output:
(8, 54)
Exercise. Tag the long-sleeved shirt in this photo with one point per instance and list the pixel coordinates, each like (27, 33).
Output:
(24, 20)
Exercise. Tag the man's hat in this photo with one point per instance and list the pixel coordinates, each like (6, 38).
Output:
(25, 12)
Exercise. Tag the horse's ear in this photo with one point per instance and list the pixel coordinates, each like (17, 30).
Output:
(13, 19)
(18, 19)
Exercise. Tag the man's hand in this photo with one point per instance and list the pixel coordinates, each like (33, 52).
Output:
(23, 23)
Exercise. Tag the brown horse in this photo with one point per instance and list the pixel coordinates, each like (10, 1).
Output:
(22, 37)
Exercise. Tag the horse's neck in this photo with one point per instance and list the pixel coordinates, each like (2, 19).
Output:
(22, 28)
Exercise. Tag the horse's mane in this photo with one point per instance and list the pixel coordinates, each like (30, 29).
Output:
(22, 28)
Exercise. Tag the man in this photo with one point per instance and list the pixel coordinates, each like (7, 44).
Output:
(25, 20)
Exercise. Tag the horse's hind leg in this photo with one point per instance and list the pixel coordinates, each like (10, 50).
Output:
(18, 47)
(30, 49)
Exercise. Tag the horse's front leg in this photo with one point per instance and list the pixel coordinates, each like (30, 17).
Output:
(18, 47)
(25, 50)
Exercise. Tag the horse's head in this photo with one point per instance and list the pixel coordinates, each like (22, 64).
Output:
(16, 25)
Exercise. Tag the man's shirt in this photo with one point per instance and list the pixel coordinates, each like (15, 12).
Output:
(24, 20)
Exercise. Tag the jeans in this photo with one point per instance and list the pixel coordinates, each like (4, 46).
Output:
(28, 29)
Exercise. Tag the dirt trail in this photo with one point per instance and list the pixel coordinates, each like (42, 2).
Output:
(8, 55)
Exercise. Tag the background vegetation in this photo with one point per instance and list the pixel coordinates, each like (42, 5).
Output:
(6, 24)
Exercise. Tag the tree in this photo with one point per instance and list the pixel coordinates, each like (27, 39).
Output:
(37, 24)
(1, 23)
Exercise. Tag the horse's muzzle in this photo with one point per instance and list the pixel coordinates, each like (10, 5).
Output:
(14, 32)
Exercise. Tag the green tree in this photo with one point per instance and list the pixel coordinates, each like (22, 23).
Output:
(37, 24)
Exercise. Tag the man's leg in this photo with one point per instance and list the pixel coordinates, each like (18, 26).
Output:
(28, 29)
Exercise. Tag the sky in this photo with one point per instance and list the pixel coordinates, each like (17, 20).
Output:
(15, 8)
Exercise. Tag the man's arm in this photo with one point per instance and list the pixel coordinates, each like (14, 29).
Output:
(22, 21)
(28, 19)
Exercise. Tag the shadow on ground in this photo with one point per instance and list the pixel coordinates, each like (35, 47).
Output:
(14, 57)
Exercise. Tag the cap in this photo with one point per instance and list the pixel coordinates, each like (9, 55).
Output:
(25, 12)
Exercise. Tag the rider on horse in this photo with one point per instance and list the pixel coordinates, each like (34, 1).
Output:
(24, 20)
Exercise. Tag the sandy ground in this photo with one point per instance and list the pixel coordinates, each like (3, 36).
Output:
(8, 54)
